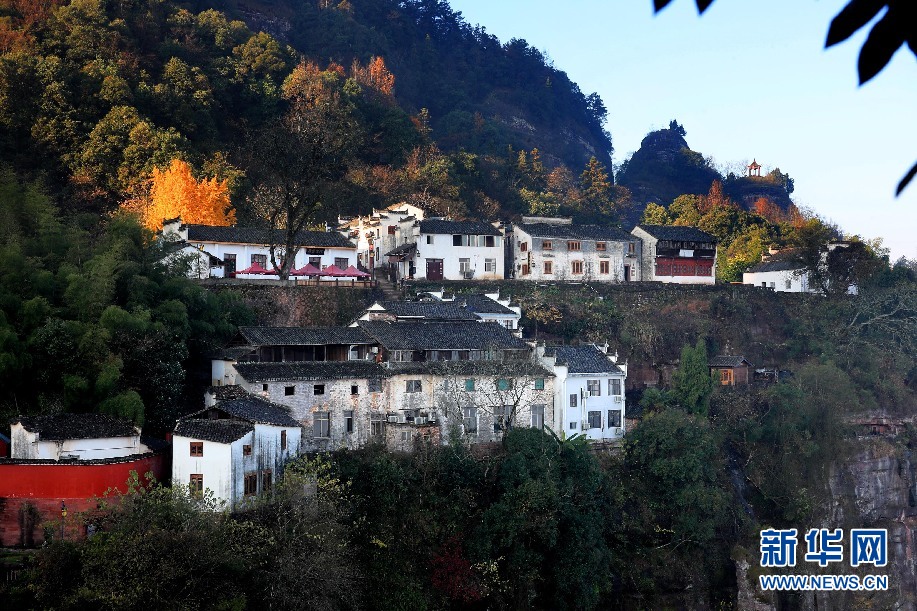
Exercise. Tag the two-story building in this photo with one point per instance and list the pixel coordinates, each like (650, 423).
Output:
(588, 391)
(239, 248)
(546, 249)
(377, 232)
(234, 449)
(682, 255)
(442, 249)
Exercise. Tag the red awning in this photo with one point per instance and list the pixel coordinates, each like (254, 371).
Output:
(254, 269)
(353, 272)
(332, 270)
(307, 270)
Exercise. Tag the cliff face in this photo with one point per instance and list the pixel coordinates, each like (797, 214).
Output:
(876, 487)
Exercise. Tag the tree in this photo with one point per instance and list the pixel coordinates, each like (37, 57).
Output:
(176, 193)
(654, 214)
(692, 382)
(297, 158)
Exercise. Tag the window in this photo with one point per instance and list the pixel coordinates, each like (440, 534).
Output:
(490, 265)
(391, 230)
(318, 389)
(429, 239)
(197, 448)
(548, 267)
(600, 246)
(375, 424)
(614, 388)
(267, 481)
(464, 265)
(405, 435)
(375, 385)
(539, 383)
(604, 267)
(501, 417)
(341, 262)
(772, 285)
(572, 426)
(321, 424)
(412, 386)
(614, 418)
(577, 267)
(348, 421)
(196, 484)
(537, 416)
(289, 391)
(525, 269)
(246, 450)
(594, 387)
(264, 388)
(573, 399)
(251, 483)
(315, 262)
(547, 245)
(354, 389)
(509, 324)
(260, 260)
(595, 420)
(523, 246)
(283, 440)
(630, 248)
(491, 241)
(469, 384)
(457, 240)
(789, 284)
(574, 245)
(230, 262)
(504, 384)
(470, 420)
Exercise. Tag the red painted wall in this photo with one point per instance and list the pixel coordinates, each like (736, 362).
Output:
(45, 485)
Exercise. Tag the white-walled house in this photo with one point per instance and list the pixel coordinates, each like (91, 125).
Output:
(377, 233)
(441, 249)
(548, 249)
(241, 247)
(588, 391)
(784, 275)
(74, 437)
(681, 255)
(235, 448)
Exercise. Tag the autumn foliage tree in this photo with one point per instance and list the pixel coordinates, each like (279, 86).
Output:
(174, 192)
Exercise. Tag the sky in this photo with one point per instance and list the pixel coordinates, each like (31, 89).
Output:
(747, 80)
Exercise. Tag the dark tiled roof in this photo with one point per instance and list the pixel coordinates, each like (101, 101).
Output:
(428, 310)
(785, 260)
(252, 235)
(728, 361)
(404, 249)
(784, 265)
(481, 304)
(507, 369)
(442, 335)
(677, 233)
(220, 431)
(303, 336)
(252, 409)
(458, 227)
(583, 359)
(225, 393)
(310, 370)
(576, 232)
(77, 426)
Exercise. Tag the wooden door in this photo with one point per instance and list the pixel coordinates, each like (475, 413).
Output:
(434, 269)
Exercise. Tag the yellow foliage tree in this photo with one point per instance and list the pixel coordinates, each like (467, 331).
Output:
(175, 192)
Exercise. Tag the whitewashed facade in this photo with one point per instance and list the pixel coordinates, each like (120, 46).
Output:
(74, 437)
(675, 254)
(588, 391)
(234, 449)
(377, 233)
(439, 249)
(240, 247)
(554, 249)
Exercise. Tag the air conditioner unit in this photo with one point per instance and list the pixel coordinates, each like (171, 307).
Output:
(585, 426)
(420, 420)
(617, 399)
(393, 418)
(619, 431)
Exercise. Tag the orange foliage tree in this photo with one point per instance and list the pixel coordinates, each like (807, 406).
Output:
(175, 192)
(374, 75)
